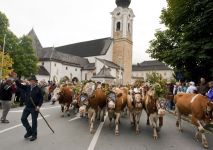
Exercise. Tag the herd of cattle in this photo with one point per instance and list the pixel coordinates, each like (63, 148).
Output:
(96, 101)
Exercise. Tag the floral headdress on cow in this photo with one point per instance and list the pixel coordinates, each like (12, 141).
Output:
(89, 87)
(158, 83)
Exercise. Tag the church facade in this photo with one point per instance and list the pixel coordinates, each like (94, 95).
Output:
(105, 60)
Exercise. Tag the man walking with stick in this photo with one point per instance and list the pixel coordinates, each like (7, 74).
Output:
(33, 102)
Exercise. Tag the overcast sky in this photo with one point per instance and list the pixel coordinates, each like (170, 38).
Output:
(60, 22)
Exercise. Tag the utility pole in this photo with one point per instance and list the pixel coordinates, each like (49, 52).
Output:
(2, 59)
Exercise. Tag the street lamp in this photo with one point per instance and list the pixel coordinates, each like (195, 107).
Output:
(2, 59)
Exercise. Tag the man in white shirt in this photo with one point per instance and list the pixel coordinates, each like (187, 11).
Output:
(192, 88)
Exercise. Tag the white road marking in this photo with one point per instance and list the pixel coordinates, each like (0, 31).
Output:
(75, 118)
(95, 137)
(42, 108)
(16, 126)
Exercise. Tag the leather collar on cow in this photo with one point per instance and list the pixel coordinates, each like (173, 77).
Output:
(161, 104)
(84, 99)
(111, 96)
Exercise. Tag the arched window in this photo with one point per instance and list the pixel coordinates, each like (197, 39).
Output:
(118, 26)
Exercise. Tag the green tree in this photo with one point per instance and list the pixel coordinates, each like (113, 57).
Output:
(20, 49)
(187, 43)
(25, 62)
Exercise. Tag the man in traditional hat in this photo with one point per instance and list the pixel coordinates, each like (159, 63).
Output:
(6, 91)
(33, 102)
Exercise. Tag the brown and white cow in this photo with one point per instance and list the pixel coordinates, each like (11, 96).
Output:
(155, 109)
(199, 107)
(135, 106)
(64, 96)
(116, 102)
(93, 100)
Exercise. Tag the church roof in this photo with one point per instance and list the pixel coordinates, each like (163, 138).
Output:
(43, 71)
(87, 49)
(35, 41)
(109, 63)
(104, 73)
(152, 65)
(89, 66)
(123, 3)
(50, 53)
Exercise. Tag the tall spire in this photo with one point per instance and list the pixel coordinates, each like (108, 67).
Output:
(123, 3)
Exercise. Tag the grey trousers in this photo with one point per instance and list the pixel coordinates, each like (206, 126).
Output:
(5, 109)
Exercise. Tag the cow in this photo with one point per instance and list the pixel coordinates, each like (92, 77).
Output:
(200, 109)
(135, 106)
(51, 88)
(155, 109)
(116, 102)
(94, 101)
(64, 96)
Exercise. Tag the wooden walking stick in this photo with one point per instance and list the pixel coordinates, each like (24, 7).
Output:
(42, 116)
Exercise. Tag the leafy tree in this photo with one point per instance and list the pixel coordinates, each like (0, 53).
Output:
(7, 65)
(25, 61)
(187, 43)
(20, 49)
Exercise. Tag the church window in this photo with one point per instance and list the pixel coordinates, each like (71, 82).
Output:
(118, 26)
(55, 65)
(94, 74)
(66, 68)
(76, 69)
(42, 63)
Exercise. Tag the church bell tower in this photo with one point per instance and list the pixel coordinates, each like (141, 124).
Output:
(122, 26)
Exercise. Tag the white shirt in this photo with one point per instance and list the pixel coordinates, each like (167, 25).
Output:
(191, 89)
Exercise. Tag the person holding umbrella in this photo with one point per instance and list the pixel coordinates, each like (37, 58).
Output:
(33, 102)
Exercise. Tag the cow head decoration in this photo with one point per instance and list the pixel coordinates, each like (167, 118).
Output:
(87, 93)
(111, 98)
(137, 99)
(161, 106)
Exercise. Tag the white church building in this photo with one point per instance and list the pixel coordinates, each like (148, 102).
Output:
(107, 60)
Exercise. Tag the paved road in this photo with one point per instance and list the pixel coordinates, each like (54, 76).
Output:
(72, 133)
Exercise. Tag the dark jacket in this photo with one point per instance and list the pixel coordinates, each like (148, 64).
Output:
(203, 89)
(6, 92)
(35, 94)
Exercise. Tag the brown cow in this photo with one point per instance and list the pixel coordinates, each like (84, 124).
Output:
(94, 100)
(155, 110)
(64, 97)
(199, 107)
(116, 102)
(135, 106)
